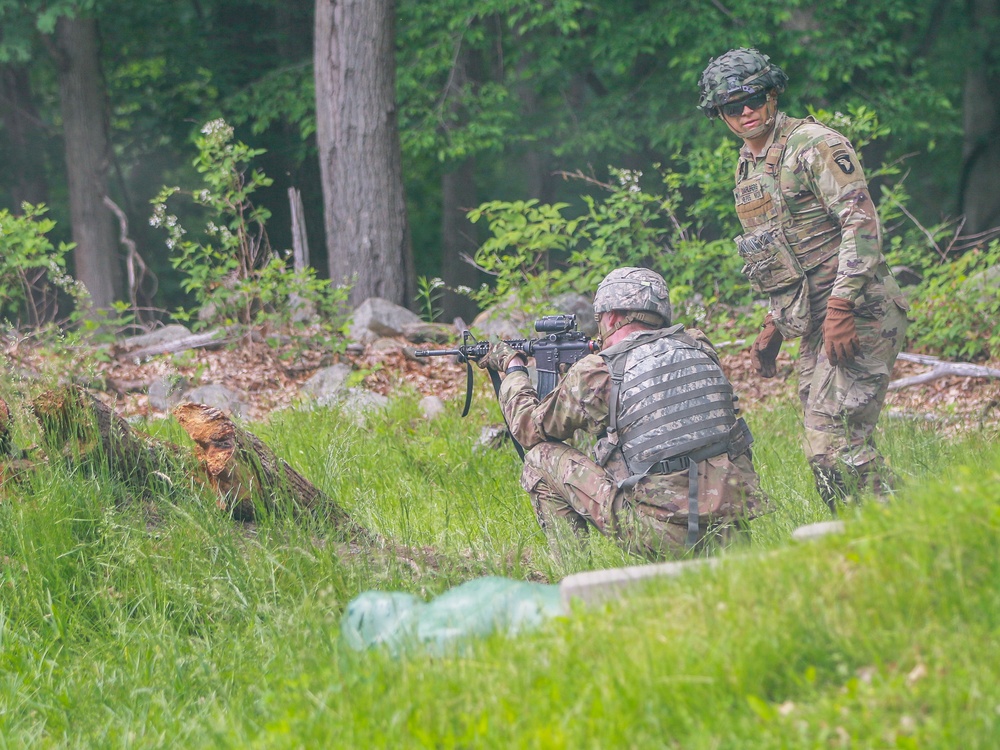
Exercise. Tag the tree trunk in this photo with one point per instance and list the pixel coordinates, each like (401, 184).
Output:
(458, 195)
(367, 235)
(83, 103)
(24, 129)
(247, 475)
(980, 190)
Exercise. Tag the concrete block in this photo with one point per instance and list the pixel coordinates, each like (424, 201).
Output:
(817, 530)
(598, 586)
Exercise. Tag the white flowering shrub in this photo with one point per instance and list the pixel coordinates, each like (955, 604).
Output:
(232, 267)
(33, 278)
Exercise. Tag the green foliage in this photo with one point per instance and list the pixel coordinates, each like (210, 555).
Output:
(32, 269)
(536, 251)
(955, 308)
(233, 270)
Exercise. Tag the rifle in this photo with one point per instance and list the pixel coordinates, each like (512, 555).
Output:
(560, 347)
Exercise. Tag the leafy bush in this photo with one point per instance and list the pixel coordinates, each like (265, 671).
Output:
(233, 272)
(537, 251)
(32, 269)
(955, 309)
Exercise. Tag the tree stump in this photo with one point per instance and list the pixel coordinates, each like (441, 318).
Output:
(84, 430)
(249, 477)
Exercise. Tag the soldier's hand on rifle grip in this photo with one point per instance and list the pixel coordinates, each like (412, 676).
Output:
(839, 332)
(499, 357)
(765, 348)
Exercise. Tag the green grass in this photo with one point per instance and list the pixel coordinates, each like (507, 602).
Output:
(157, 622)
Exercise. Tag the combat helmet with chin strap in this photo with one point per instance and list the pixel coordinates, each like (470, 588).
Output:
(736, 75)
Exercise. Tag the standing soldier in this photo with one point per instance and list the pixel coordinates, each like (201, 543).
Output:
(672, 465)
(812, 242)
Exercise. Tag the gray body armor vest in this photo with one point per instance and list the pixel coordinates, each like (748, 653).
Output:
(669, 400)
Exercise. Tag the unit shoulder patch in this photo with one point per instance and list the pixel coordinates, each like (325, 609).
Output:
(842, 159)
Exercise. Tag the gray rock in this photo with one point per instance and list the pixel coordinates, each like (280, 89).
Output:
(386, 344)
(328, 384)
(155, 338)
(580, 305)
(491, 437)
(431, 407)
(507, 321)
(222, 398)
(503, 321)
(985, 285)
(435, 333)
(166, 392)
(376, 317)
(359, 401)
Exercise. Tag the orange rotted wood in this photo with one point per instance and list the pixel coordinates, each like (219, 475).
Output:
(249, 476)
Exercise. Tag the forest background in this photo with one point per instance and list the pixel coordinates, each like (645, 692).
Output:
(451, 104)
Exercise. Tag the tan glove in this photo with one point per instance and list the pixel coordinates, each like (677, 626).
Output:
(765, 348)
(839, 333)
(499, 356)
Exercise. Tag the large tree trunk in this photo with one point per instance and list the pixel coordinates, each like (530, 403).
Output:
(83, 102)
(367, 234)
(980, 187)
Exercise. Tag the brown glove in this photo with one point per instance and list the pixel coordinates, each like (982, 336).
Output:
(839, 333)
(765, 348)
(499, 356)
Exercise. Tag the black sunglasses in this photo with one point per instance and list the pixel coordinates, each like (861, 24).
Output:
(755, 102)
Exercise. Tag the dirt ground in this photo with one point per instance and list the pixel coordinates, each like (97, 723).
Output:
(270, 378)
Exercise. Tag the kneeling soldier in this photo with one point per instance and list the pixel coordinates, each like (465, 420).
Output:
(672, 469)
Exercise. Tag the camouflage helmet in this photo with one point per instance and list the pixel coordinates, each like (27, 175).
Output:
(740, 72)
(634, 290)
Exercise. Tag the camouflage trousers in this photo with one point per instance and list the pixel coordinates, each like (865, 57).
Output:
(571, 492)
(842, 404)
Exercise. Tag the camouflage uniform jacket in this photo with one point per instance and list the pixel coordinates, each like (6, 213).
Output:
(579, 402)
(824, 208)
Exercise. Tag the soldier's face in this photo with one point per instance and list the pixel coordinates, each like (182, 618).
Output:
(752, 114)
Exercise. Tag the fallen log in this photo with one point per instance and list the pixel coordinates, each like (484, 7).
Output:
(208, 340)
(249, 477)
(940, 369)
(83, 430)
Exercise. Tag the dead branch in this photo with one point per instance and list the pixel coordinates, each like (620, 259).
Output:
(941, 369)
(210, 339)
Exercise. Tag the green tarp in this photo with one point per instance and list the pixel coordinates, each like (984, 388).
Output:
(476, 608)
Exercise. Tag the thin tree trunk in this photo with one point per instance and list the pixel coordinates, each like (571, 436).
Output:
(83, 102)
(980, 188)
(23, 128)
(458, 194)
(367, 235)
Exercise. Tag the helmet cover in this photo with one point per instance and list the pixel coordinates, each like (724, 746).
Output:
(735, 75)
(634, 290)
